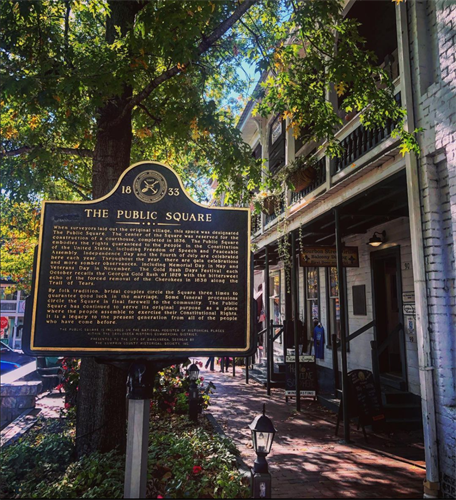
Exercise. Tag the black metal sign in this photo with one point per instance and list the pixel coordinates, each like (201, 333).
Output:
(307, 376)
(144, 270)
(364, 400)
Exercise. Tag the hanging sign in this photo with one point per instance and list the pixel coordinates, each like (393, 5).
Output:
(327, 257)
(408, 297)
(409, 309)
(144, 270)
(307, 376)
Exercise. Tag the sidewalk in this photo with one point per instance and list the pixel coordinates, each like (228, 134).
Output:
(307, 460)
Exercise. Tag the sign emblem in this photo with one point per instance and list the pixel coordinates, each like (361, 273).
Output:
(150, 186)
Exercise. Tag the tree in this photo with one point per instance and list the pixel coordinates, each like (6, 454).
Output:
(90, 87)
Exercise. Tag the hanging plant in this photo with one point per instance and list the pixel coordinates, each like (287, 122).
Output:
(300, 173)
(266, 202)
(303, 178)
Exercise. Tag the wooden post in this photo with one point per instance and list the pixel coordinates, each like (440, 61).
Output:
(294, 304)
(137, 441)
(268, 323)
(343, 340)
(335, 360)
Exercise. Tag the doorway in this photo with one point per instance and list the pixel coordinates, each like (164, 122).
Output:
(387, 302)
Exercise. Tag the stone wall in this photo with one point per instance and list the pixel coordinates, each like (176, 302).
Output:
(17, 397)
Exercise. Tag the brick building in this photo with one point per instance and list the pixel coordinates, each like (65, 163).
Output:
(396, 305)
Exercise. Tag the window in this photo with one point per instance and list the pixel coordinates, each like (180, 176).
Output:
(334, 304)
(275, 305)
(312, 299)
(277, 144)
(274, 299)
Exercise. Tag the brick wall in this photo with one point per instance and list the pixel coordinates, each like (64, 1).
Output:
(433, 61)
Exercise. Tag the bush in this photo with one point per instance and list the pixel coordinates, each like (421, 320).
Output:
(189, 461)
(43, 455)
(171, 390)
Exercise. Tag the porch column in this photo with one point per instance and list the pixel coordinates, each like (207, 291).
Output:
(294, 307)
(343, 335)
(423, 338)
(266, 342)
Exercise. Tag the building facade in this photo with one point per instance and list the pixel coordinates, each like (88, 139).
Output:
(395, 217)
(12, 309)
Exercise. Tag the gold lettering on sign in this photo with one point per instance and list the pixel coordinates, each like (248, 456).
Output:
(89, 267)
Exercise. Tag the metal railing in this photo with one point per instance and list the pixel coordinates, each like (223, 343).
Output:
(361, 140)
(320, 179)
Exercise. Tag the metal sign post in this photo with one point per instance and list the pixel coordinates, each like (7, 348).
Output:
(139, 385)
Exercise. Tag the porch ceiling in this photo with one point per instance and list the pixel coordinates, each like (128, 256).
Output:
(381, 203)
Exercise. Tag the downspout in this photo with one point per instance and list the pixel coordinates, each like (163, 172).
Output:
(431, 484)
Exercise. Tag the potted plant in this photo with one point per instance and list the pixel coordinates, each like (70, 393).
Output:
(301, 173)
(266, 202)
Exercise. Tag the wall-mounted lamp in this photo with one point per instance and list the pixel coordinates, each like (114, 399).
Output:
(377, 239)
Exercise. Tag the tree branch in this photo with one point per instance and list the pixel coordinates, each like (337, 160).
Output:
(83, 153)
(203, 47)
(156, 119)
(77, 187)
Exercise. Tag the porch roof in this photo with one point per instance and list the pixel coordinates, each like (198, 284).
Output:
(383, 202)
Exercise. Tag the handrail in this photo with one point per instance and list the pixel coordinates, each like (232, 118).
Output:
(388, 339)
(262, 331)
(358, 332)
(278, 335)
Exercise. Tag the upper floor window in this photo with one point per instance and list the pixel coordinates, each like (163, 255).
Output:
(276, 144)
(257, 152)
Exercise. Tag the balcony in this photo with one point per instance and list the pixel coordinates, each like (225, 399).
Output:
(358, 141)
(361, 147)
(270, 219)
(320, 179)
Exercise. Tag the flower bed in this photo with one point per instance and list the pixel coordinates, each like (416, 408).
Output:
(186, 459)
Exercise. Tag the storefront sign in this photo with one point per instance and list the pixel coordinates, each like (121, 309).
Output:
(327, 257)
(3, 322)
(410, 327)
(408, 297)
(144, 270)
(307, 376)
(364, 400)
(409, 309)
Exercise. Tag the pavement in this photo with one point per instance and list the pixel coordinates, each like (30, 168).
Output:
(307, 459)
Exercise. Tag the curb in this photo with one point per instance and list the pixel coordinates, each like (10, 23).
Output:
(17, 428)
(244, 469)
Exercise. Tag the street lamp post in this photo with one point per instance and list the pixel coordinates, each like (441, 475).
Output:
(263, 433)
(193, 392)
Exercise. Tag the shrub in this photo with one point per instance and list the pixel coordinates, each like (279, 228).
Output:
(171, 390)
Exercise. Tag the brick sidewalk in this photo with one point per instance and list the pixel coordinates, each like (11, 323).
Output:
(307, 460)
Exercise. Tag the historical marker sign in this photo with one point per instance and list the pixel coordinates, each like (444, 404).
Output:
(143, 271)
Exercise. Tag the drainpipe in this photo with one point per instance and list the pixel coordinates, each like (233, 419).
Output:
(431, 484)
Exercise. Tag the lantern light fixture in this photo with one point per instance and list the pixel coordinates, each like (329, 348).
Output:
(377, 239)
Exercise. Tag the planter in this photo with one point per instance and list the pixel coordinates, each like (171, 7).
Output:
(303, 178)
(269, 205)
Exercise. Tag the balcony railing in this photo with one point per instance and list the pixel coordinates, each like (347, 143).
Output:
(320, 179)
(361, 141)
(278, 211)
(9, 306)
